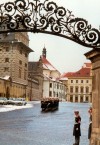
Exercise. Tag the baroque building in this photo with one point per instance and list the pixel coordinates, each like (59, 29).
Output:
(47, 76)
(79, 84)
(52, 87)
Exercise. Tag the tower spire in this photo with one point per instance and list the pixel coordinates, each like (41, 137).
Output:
(44, 52)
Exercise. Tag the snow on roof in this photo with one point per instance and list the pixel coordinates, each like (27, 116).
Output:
(63, 79)
(7, 77)
(47, 64)
(52, 79)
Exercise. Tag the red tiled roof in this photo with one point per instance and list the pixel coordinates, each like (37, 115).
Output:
(47, 64)
(87, 65)
(83, 72)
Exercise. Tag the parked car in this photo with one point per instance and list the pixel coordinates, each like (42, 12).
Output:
(3, 101)
(12, 101)
(20, 101)
(85, 102)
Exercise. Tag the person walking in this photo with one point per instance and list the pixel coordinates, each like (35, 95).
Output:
(77, 129)
(90, 123)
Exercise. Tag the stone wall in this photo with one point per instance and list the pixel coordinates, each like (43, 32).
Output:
(94, 56)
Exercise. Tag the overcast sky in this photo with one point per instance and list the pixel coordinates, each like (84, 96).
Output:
(64, 54)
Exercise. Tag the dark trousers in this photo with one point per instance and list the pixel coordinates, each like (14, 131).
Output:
(77, 140)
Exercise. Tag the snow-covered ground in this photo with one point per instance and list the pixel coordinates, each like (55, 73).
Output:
(5, 108)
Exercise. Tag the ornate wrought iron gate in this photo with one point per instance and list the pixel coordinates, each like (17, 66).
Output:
(47, 17)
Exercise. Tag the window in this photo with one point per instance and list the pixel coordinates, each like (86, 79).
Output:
(71, 81)
(25, 54)
(81, 98)
(81, 89)
(25, 74)
(71, 98)
(76, 98)
(76, 81)
(87, 81)
(20, 62)
(87, 89)
(57, 86)
(20, 72)
(20, 51)
(7, 49)
(50, 85)
(6, 68)
(81, 81)
(87, 98)
(50, 94)
(25, 64)
(76, 89)
(71, 89)
(54, 94)
(6, 59)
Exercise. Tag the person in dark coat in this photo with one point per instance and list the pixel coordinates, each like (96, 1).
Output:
(77, 129)
(90, 123)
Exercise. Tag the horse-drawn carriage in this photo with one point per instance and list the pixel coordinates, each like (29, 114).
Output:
(49, 104)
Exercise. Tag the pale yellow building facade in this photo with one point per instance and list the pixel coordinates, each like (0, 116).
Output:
(79, 89)
(79, 84)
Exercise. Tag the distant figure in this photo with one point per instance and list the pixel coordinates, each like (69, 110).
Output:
(90, 123)
(77, 129)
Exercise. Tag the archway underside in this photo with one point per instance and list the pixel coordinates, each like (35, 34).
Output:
(47, 17)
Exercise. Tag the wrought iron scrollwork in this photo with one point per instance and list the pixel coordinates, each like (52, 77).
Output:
(47, 17)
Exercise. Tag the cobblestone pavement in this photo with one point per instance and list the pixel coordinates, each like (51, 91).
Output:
(30, 126)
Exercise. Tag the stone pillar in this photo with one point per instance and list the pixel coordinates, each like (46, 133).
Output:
(94, 56)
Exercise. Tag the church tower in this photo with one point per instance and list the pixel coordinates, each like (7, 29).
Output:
(44, 52)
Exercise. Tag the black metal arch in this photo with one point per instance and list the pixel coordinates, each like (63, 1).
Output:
(47, 17)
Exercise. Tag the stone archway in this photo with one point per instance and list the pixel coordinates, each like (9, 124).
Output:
(37, 17)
